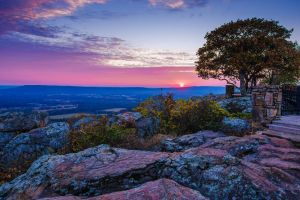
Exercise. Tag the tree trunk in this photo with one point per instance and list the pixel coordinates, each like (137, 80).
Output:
(243, 87)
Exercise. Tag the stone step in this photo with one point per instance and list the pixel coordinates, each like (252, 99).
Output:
(284, 129)
(286, 124)
(295, 138)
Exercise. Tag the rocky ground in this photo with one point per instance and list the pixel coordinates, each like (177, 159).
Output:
(203, 165)
(220, 167)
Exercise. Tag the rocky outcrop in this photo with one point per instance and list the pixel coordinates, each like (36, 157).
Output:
(235, 126)
(237, 105)
(4, 139)
(91, 172)
(29, 146)
(147, 127)
(189, 141)
(161, 189)
(128, 117)
(20, 121)
(251, 167)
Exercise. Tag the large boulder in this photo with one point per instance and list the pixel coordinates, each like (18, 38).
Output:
(237, 105)
(20, 121)
(154, 190)
(189, 141)
(29, 146)
(252, 167)
(236, 126)
(92, 172)
(147, 127)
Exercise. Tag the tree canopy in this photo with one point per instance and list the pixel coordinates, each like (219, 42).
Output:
(249, 51)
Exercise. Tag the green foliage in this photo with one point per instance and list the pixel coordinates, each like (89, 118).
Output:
(247, 116)
(160, 107)
(183, 116)
(191, 116)
(249, 51)
(100, 133)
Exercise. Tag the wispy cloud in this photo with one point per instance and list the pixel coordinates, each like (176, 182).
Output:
(24, 15)
(24, 20)
(36, 9)
(21, 15)
(178, 4)
(106, 51)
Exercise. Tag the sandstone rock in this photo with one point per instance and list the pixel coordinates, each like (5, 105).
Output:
(155, 190)
(91, 172)
(235, 126)
(188, 141)
(20, 121)
(147, 126)
(29, 146)
(240, 104)
(251, 167)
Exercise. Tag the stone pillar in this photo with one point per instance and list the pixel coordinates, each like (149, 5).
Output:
(266, 104)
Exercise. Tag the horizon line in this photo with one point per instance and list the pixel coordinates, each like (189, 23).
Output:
(106, 86)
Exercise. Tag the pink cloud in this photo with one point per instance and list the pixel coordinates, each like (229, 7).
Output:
(25, 15)
(33, 9)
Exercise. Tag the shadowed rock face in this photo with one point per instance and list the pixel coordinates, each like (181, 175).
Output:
(147, 126)
(20, 122)
(161, 189)
(29, 146)
(252, 167)
(240, 104)
(189, 141)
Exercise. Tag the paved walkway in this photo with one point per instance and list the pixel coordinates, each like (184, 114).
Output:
(287, 127)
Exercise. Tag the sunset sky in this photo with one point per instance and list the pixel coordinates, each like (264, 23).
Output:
(148, 43)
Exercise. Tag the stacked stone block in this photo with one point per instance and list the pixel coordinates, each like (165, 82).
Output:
(266, 103)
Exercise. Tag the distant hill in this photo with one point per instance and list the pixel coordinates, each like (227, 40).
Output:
(7, 87)
(70, 99)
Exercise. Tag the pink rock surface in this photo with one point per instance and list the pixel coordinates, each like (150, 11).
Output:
(251, 167)
(161, 189)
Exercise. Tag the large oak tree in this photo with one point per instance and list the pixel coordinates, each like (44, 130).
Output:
(249, 51)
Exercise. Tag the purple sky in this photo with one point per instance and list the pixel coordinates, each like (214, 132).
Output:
(118, 42)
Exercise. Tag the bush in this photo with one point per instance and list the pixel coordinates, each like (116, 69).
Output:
(159, 107)
(192, 116)
(247, 116)
(99, 133)
(183, 116)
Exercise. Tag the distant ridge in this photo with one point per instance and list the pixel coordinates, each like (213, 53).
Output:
(76, 99)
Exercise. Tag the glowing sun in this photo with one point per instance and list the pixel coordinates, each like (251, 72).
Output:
(181, 84)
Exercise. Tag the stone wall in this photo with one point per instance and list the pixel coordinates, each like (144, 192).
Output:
(266, 104)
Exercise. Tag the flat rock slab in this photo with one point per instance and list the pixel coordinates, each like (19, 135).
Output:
(291, 119)
(295, 138)
(155, 190)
